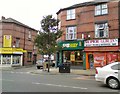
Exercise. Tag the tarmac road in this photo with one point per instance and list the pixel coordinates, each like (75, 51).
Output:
(22, 80)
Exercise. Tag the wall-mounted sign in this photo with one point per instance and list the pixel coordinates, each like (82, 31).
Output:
(7, 41)
(72, 45)
(102, 42)
(11, 50)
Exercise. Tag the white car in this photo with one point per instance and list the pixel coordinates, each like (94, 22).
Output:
(109, 74)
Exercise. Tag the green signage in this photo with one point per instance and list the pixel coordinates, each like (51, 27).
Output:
(72, 45)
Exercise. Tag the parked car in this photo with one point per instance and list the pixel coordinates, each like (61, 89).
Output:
(39, 63)
(109, 75)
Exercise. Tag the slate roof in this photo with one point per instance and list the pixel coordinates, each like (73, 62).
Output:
(11, 20)
(90, 3)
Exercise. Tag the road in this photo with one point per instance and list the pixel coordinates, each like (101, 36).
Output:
(21, 80)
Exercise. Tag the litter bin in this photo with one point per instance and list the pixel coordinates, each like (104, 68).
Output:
(64, 68)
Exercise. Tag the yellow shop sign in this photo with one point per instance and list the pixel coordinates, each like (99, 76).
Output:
(11, 50)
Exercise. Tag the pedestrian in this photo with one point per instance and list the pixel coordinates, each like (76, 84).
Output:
(44, 65)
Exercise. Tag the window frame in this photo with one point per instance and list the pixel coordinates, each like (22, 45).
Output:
(101, 9)
(71, 31)
(17, 44)
(29, 56)
(98, 30)
(70, 14)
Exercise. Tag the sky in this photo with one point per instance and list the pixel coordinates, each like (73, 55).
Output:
(31, 12)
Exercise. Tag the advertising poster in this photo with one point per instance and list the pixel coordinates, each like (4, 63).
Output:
(99, 59)
(112, 57)
(7, 42)
(72, 57)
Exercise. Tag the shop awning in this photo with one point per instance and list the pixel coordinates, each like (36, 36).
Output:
(11, 50)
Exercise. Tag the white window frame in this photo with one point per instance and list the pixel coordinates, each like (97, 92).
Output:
(101, 9)
(70, 14)
(71, 33)
(17, 42)
(29, 35)
(101, 27)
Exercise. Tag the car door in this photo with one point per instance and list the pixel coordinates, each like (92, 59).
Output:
(116, 70)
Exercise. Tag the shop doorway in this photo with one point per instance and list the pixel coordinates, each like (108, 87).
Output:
(91, 61)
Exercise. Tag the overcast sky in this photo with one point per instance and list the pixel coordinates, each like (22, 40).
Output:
(31, 12)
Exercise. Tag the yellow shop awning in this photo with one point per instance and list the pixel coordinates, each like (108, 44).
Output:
(11, 50)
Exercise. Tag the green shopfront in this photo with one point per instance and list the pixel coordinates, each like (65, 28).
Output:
(71, 51)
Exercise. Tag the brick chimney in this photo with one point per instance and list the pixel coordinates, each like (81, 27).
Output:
(2, 18)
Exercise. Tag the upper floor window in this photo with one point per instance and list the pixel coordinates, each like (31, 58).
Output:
(70, 14)
(101, 9)
(29, 35)
(17, 42)
(101, 30)
(29, 56)
(71, 33)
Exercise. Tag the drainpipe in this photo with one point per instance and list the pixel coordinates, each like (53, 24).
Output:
(119, 19)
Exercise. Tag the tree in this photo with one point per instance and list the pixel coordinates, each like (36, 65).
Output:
(46, 40)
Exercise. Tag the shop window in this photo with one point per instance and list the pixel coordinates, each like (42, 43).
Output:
(16, 59)
(71, 33)
(6, 59)
(70, 14)
(101, 30)
(101, 9)
(29, 56)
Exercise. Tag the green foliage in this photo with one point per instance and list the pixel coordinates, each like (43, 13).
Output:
(46, 40)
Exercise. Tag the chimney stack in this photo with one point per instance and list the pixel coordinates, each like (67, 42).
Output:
(2, 18)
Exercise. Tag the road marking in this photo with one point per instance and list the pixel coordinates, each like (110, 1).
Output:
(6, 80)
(84, 78)
(75, 87)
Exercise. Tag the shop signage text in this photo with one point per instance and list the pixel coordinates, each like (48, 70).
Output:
(102, 42)
(71, 45)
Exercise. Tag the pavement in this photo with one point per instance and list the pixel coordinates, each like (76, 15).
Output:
(53, 71)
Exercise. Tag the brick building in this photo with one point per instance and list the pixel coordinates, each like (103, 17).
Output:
(91, 35)
(16, 43)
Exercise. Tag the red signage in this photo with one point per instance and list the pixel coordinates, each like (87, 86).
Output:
(99, 59)
(112, 57)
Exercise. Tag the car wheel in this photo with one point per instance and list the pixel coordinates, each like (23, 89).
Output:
(113, 83)
(38, 67)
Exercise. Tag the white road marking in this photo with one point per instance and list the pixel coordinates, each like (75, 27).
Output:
(6, 80)
(58, 85)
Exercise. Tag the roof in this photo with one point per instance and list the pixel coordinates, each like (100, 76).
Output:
(11, 20)
(90, 3)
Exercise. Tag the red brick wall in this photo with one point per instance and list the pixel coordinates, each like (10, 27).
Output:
(85, 20)
(18, 31)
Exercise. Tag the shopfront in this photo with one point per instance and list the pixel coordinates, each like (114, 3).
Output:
(72, 52)
(11, 56)
(101, 52)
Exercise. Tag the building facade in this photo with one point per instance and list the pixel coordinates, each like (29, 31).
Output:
(97, 24)
(16, 43)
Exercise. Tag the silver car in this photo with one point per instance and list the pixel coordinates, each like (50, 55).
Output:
(39, 63)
